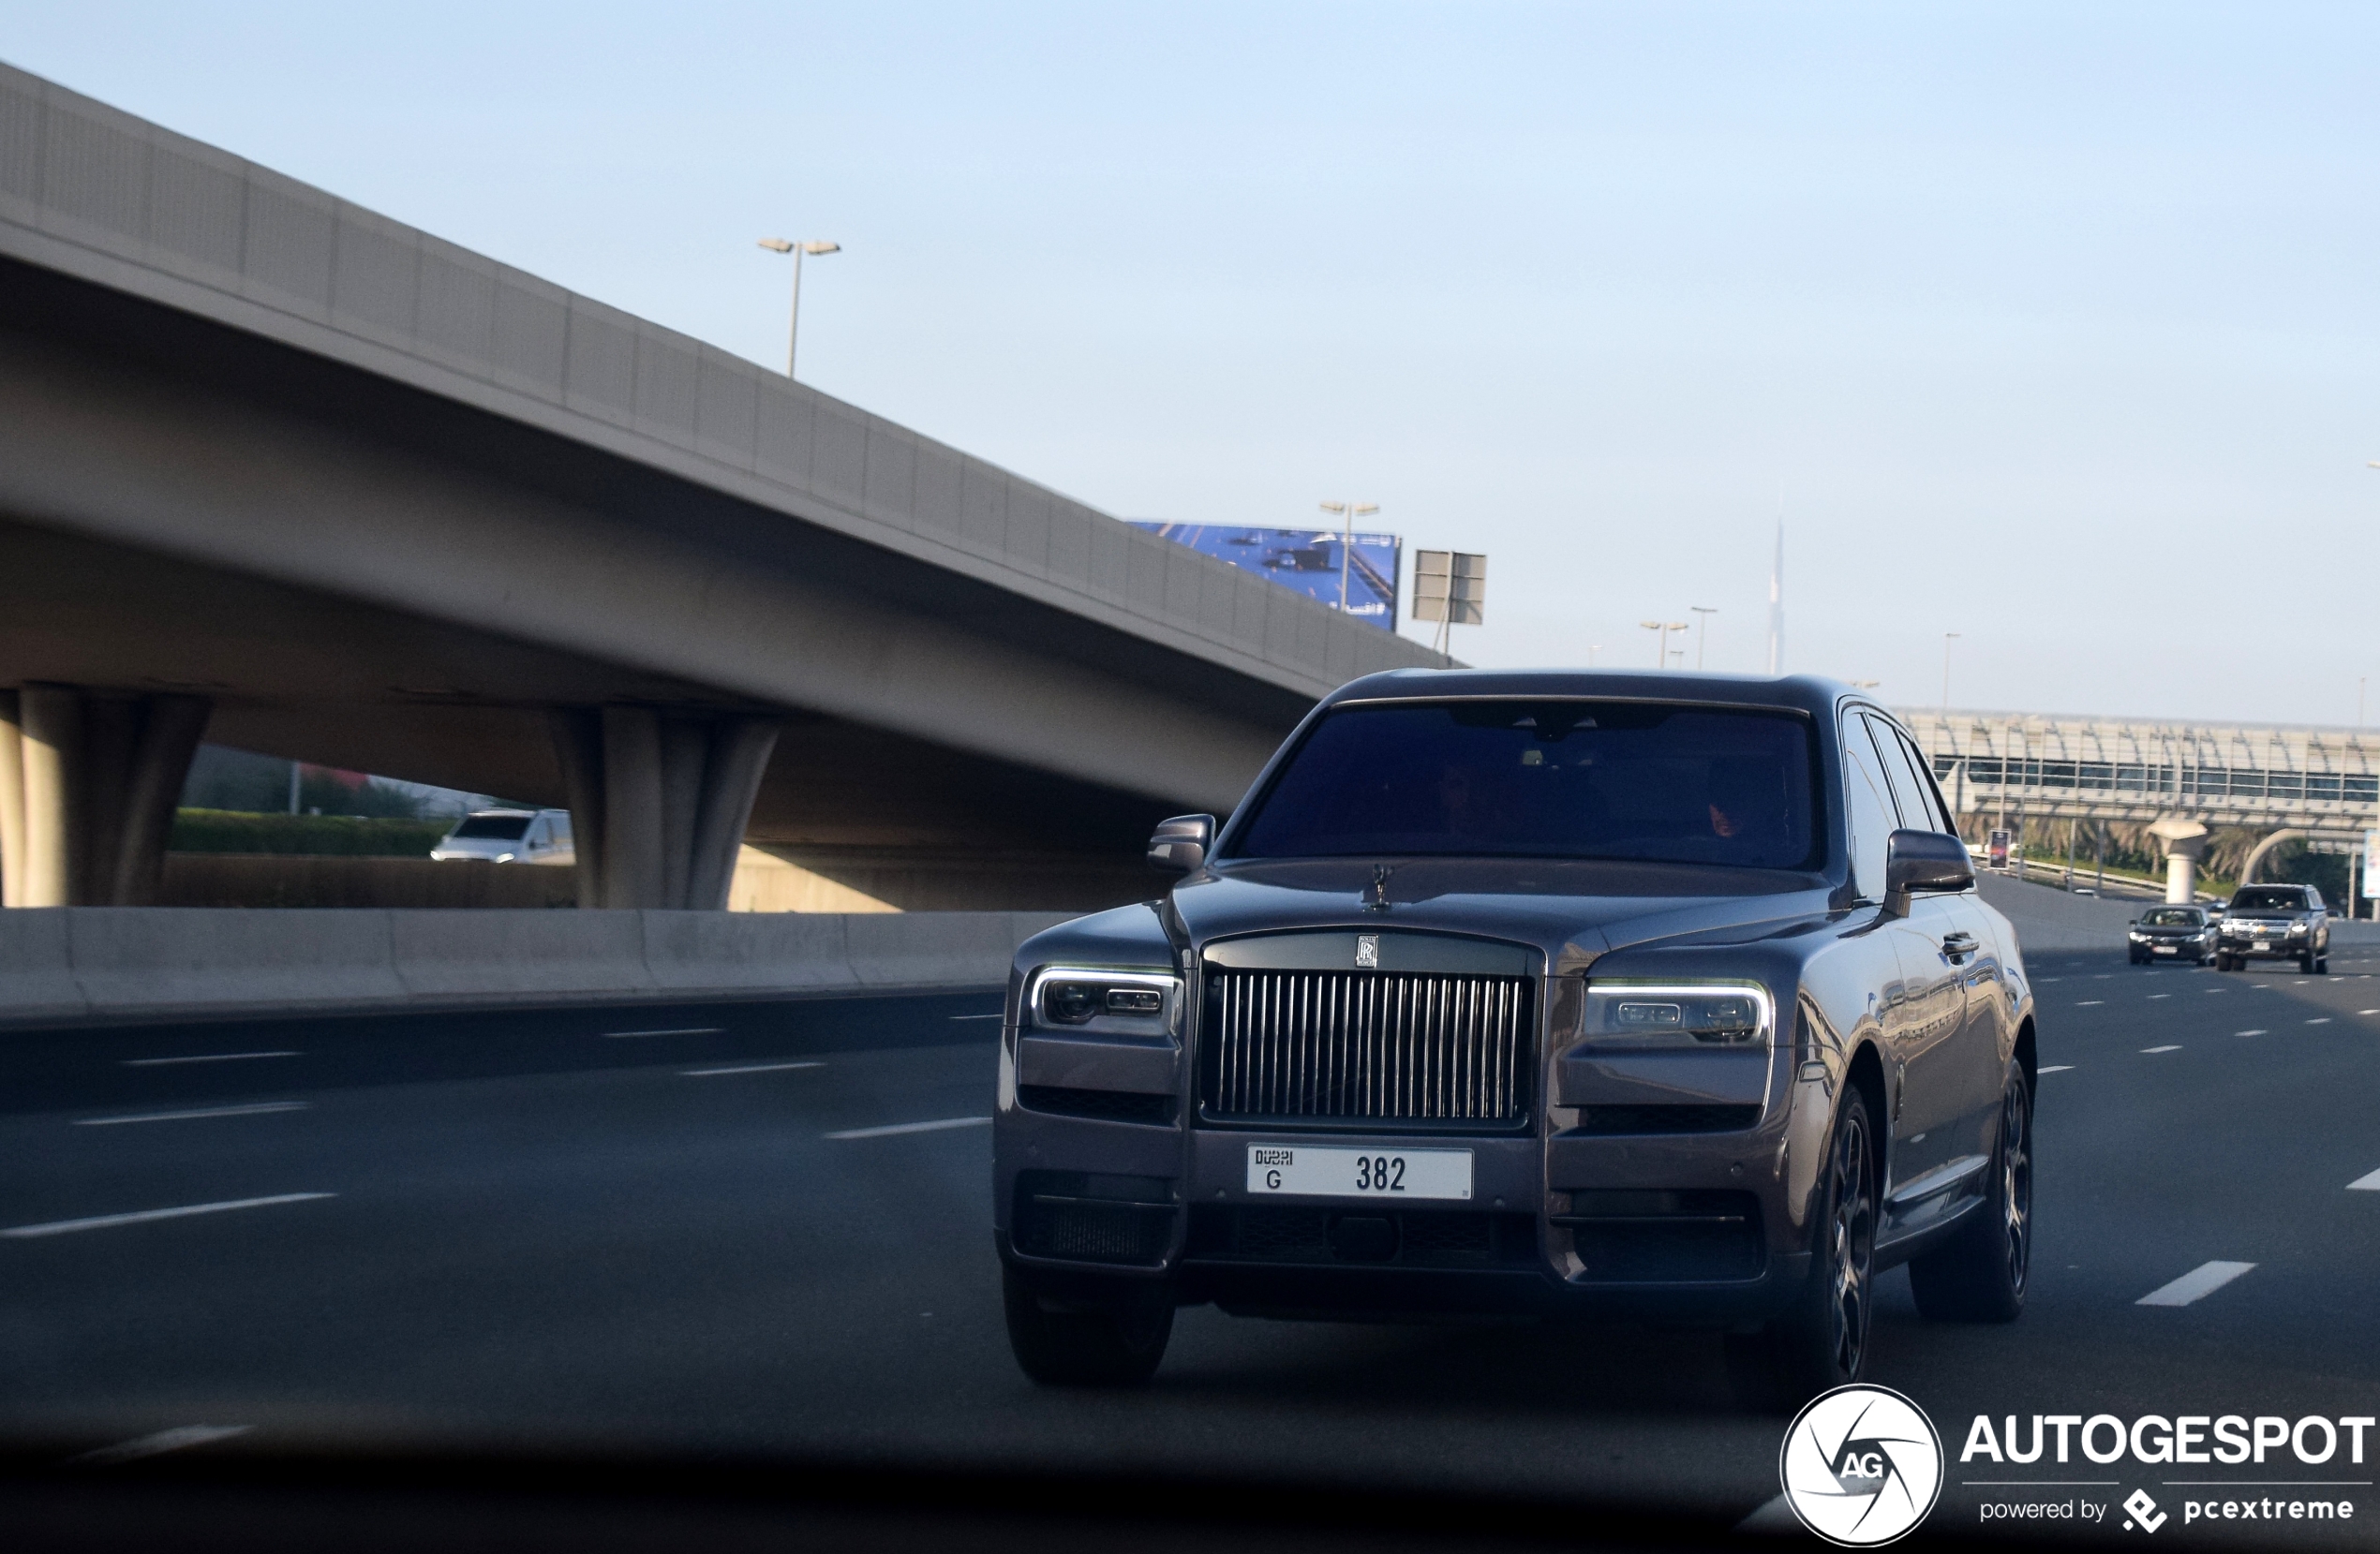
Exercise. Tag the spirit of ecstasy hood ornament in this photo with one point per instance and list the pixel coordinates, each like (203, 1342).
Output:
(1379, 902)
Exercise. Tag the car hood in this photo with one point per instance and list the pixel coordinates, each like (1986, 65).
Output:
(1575, 911)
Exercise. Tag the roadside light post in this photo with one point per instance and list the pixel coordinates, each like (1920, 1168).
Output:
(807, 246)
(1349, 512)
(1702, 630)
(1660, 654)
(1948, 637)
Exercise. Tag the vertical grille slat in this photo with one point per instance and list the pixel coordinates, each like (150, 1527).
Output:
(1384, 1046)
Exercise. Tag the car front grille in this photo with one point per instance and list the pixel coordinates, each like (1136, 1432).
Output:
(1368, 1048)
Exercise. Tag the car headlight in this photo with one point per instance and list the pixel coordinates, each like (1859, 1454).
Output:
(2299, 927)
(1678, 1015)
(2137, 934)
(1086, 999)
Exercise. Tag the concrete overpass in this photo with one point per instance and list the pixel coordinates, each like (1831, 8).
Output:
(281, 473)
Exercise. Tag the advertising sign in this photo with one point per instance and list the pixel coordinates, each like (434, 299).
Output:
(2372, 866)
(2002, 841)
(1307, 560)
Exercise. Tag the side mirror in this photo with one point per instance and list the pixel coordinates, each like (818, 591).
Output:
(1180, 844)
(1923, 861)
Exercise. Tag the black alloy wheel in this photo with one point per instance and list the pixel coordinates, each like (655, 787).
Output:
(1982, 1272)
(1823, 1343)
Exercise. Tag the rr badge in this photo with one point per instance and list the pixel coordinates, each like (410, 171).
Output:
(1367, 952)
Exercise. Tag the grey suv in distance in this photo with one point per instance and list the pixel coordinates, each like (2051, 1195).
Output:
(2275, 922)
(1650, 996)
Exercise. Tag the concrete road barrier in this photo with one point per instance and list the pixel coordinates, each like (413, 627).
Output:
(73, 965)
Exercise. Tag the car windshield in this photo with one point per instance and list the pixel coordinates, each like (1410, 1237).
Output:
(2172, 917)
(1548, 779)
(491, 828)
(2287, 898)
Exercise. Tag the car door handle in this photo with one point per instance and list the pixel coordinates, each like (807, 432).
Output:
(1957, 944)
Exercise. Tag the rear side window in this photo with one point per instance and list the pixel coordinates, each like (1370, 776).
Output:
(1911, 795)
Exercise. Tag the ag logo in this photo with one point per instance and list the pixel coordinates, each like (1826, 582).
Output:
(1861, 1465)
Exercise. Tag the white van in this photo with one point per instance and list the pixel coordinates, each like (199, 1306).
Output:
(510, 836)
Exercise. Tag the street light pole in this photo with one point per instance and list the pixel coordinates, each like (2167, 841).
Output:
(1702, 631)
(1350, 511)
(809, 245)
(1947, 638)
(1660, 654)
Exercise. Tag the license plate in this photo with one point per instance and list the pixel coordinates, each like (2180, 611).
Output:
(2168, 949)
(1359, 1172)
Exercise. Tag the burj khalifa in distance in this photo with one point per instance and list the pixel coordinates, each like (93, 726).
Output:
(1777, 605)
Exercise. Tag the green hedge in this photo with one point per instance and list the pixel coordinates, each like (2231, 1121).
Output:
(237, 831)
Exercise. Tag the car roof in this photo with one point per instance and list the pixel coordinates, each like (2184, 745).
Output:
(1808, 694)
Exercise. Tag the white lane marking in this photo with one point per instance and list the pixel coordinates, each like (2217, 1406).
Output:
(2199, 1283)
(912, 1128)
(180, 1438)
(2170, 1046)
(2154, 997)
(204, 1058)
(975, 1016)
(142, 1217)
(2091, 1003)
(2324, 1020)
(2249, 1033)
(681, 1030)
(2058, 1068)
(751, 1068)
(253, 1109)
(2367, 1010)
(2365, 1184)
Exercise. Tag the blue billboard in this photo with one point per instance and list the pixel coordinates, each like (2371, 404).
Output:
(1307, 560)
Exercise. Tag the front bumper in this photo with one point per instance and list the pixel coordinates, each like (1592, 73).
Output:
(2268, 947)
(1687, 1228)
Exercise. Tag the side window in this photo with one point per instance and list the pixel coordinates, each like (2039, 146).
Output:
(1868, 808)
(1912, 792)
(1943, 819)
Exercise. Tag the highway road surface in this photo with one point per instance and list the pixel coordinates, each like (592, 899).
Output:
(762, 1227)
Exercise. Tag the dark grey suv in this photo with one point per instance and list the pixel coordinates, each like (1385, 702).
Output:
(2274, 922)
(1644, 996)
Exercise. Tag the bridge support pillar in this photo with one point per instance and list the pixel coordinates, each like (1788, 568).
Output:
(658, 802)
(89, 781)
(2185, 844)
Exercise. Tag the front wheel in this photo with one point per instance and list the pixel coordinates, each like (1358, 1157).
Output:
(1110, 1336)
(1822, 1341)
(1980, 1274)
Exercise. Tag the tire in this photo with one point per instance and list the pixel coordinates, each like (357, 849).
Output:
(2305, 964)
(1110, 1338)
(1982, 1273)
(2322, 963)
(1822, 1341)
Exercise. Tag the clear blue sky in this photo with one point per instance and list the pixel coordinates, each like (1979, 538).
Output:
(2054, 325)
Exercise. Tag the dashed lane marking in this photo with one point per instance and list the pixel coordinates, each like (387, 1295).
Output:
(2199, 1283)
(2249, 1033)
(2365, 1184)
(180, 1438)
(257, 1108)
(2091, 1003)
(2321, 1020)
(143, 1217)
(203, 1058)
(751, 1068)
(2154, 997)
(936, 1127)
(2170, 1046)
(2058, 1068)
(679, 1030)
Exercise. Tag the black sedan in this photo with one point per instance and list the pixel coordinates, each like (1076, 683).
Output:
(2173, 933)
(1652, 996)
